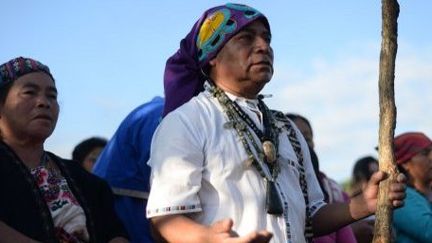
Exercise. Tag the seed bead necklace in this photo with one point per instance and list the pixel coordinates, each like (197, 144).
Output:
(265, 160)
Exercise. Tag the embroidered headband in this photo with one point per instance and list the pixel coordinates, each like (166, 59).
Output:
(184, 77)
(407, 145)
(17, 67)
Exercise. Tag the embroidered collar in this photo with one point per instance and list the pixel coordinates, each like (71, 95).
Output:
(244, 102)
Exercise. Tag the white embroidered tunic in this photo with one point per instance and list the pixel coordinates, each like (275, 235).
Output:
(199, 168)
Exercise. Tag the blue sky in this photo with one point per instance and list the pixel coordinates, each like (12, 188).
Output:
(108, 57)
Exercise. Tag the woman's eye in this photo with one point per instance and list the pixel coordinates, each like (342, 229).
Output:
(29, 92)
(52, 96)
(424, 152)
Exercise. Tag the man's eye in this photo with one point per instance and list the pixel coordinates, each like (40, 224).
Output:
(245, 37)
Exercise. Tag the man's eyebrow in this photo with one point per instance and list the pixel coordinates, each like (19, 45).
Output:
(253, 31)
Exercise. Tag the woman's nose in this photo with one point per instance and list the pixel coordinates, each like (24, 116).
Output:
(44, 101)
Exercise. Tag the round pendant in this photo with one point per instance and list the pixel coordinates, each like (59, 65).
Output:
(269, 151)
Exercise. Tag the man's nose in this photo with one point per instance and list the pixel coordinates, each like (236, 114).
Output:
(263, 45)
(262, 42)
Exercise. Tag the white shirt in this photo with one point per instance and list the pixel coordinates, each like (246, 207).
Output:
(199, 169)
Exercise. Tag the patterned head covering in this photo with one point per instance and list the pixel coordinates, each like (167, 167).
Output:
(407, 145)
(184, 75)
(17, 67)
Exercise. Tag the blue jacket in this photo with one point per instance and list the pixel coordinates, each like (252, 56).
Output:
(123, 164)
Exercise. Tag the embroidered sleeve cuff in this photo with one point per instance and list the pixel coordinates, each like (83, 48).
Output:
(316, 206)
(173, 210)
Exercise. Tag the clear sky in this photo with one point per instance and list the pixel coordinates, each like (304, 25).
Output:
(108, 57)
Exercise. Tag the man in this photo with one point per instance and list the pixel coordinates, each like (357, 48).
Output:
(225, 168)
(123, 165)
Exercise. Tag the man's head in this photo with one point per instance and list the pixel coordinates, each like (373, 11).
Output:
(189, 67)
(245, 63)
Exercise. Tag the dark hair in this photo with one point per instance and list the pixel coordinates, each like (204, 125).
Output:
(4, 91)
(361, 170)
(294, 116)
(315, 164)
(86, 146)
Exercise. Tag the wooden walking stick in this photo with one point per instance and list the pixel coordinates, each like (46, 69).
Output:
(390, 13)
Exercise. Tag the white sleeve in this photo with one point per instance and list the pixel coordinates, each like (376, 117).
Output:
(176, 162)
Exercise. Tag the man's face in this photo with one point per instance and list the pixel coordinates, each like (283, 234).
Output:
(245, 63)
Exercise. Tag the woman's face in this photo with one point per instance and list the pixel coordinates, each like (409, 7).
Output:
(419, 166)
(30, 111)
(306, 131)
(91, 158)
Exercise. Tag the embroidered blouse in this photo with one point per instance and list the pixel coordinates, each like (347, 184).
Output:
(68, 216)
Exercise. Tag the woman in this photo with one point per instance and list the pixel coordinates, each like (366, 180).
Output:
(87, 152)
(332, 191)
(43, 197)
(413, 222)
(363, 170)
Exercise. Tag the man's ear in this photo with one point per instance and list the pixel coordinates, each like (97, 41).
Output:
(212, 62)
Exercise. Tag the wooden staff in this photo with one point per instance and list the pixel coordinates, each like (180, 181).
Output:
(387, 122)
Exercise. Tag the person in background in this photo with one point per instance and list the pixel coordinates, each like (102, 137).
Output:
(123, 164)
(413, 221)
(224, 167)
(333, 192)
(44, 198)
(87, 152)
(363, 169)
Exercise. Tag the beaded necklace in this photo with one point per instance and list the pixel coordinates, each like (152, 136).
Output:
(265, 158)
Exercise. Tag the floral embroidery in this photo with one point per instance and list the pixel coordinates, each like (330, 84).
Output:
(53, 188)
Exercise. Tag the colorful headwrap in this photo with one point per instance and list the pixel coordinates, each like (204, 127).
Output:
(409, 144)
(17, 67)
(184, 75)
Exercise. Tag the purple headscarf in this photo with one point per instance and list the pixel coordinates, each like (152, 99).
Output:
(17, 67)
(184, 77)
